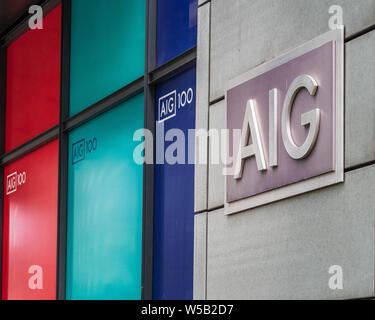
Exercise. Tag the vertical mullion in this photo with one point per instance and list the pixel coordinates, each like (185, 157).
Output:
(151, 23)
(148, 169)
(3, 64)
(63, 151)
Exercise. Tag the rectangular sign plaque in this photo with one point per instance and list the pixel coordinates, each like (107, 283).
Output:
(291, 119)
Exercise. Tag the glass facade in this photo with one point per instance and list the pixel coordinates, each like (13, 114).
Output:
(30, 196)
(75, 93)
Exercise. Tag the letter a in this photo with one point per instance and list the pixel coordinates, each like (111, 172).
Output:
(36, 20)
(36, 280)
(250, 127)
(335, 282)
(336, 20)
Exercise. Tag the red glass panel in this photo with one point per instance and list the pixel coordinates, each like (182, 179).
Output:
(30, 225)
(33, 82)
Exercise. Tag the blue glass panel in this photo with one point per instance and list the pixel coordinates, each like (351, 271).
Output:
(174, 192)
(176, 28)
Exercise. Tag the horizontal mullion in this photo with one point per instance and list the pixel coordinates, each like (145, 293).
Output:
(30, 146)
(105, 104)
(173, 67)
(22, 24)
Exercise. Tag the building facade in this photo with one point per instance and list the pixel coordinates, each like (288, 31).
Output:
(190, 149)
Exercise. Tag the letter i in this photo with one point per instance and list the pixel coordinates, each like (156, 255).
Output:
(273, 97)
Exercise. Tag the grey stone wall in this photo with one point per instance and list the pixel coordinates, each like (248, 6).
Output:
(284, 250)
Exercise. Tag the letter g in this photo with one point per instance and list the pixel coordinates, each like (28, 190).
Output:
(311, 118)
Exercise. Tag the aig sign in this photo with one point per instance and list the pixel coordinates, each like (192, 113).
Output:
(290, 113)
(82, 148)
(14, 181)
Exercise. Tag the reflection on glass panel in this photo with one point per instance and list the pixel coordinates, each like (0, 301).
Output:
(105, 206)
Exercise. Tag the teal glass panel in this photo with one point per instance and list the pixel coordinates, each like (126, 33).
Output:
(107, 48)
(104, 240)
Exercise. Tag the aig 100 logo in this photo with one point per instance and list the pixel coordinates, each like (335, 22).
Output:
(82, 148)
(14, 181)
(171, 102)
